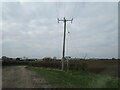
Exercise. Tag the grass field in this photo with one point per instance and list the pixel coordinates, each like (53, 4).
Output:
(76, 79)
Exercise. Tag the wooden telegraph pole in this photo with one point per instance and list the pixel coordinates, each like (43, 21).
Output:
(63, 57)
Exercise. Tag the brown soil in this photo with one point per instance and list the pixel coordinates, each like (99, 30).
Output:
(20, 77)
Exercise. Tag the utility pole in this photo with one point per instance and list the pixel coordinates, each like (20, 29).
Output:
(63, 57)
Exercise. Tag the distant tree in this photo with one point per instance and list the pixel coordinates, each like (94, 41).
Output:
(17, 58)
(67, 57)
(4, 58)
(113, 58)
(54, 58)
(47, 59)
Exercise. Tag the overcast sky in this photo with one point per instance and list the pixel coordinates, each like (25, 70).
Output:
(31, 29)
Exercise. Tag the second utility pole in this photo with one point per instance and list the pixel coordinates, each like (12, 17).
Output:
(63, 58)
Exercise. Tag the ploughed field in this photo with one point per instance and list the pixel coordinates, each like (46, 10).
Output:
(107, 67)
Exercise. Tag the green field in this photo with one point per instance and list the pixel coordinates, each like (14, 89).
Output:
(76, 79)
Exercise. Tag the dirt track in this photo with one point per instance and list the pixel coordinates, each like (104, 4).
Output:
(20, 77)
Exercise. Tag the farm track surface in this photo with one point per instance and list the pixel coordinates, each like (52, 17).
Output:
(20, 77)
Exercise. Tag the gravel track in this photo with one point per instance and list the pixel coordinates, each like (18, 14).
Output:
(20, 77)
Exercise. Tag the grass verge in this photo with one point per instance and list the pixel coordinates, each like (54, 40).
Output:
(76, 79)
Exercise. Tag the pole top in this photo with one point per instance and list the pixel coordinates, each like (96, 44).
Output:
(58, 20)
(72, 20)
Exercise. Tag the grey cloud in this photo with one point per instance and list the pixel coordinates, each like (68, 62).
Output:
(31, 29)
